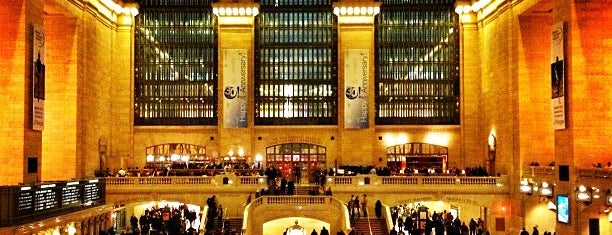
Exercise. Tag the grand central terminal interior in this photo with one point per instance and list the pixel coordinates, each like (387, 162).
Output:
(263, 117)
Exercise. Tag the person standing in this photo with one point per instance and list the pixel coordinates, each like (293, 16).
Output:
(290, 187)
(314, 232)
(535, 231)
(350, 205)
(378, 209)
(364, 205)
(524, 232)
(324, 231)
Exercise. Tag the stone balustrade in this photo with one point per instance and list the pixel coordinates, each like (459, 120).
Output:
(268, 208)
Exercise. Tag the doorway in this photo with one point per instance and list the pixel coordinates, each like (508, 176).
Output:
(300, 162)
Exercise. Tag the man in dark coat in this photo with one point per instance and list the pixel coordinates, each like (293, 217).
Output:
(324, 231)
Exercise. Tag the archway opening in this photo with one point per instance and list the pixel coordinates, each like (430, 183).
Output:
(278, 226)
(417, 158)
(300, 162)
(443, 217)
(157, 217)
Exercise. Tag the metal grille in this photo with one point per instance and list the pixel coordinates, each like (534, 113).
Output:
(175, 77)
(417, 63)
(296, 66)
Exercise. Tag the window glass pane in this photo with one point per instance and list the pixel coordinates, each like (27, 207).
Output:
(297, 85)
(417, 52)
(175, 65)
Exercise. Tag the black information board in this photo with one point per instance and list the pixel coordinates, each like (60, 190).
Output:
(70, 195)
(45, 199)
(91, 192)
(25, 201)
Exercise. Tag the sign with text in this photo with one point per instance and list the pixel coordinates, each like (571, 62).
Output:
(557, 75)
(235, 102)
(356, 74)
(38, 80)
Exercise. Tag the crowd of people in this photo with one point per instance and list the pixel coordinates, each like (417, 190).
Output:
(536, 232)
(407, 171)
(166, 220)
(406, 221)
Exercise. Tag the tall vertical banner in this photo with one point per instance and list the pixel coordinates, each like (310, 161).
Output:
(235, 102)
(558, 75)
(38, 80)
(356, 74)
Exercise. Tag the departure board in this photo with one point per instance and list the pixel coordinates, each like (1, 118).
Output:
(91, 193)
(25, 201)
(45, 199)
(70, 195)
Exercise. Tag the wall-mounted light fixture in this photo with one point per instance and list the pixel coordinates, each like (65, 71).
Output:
(584, 194)
(492, 142)
(546, 189)
(526, 187)
(609, 197)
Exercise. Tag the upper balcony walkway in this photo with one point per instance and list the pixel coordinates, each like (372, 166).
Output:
(185, 188)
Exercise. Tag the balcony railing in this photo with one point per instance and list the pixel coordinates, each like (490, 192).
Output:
(342, 183)
(229, 180)
(419, 183)
(604, 173)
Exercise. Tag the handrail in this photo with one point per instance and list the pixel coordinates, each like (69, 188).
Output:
(368, 218)
(204, 219)
(416, 180)
(217, 180)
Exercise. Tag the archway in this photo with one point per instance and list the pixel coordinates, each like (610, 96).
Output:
(300, 162)
(438, 212)
(176, 156)
(418, 157)
(278, 226)
(157, 216)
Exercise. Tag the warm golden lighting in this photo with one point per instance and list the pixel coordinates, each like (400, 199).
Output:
(525, 187)
(356, 10)
(492, 142)
(235, 11)
(441, 139)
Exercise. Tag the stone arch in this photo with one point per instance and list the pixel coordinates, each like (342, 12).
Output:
(166, 154)
(297, 160)
(417, 156)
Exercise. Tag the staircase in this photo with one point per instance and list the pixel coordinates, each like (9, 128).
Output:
(303, 190)
(361, 226)
(235, 226)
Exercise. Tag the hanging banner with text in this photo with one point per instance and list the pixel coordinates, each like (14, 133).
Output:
(38, 80)
(557, 72)
(356, 73)
(235, 103)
